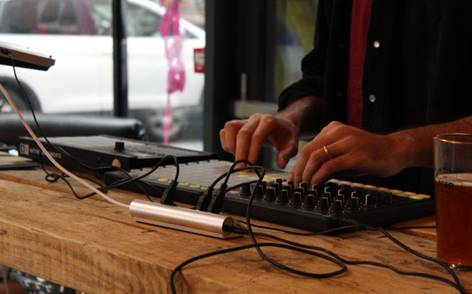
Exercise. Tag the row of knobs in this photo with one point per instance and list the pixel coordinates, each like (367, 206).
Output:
(326, 198)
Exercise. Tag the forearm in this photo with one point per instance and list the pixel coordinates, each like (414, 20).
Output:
(305, 113)
(417, 144)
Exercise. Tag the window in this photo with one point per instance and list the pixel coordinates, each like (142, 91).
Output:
(141, 22)
(100, 13)
(77, 33)
(57, 17)
(294, 38)
(16, 16)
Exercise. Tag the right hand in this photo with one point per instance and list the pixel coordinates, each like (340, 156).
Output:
(244, 138)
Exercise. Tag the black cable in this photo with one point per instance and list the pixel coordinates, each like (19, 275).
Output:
(457, 284)
(153, 169)
(240, 185)
(228, 173)
(40, 131)
(137, 181)
(174, 271)
(51, 177)
(330, 231)
(445, 265)
(54, 177)
(261, 172)
(365, 262)
(325, 253)
(412, 228)
(257, 245)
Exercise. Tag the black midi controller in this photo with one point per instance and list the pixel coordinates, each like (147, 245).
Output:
(108, 151)
(326, 206)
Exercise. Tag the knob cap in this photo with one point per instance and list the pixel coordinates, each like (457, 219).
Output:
(259, 192)
(324, 204)
(270, 194)
(296, 200)
(282, 197)
(309, 202)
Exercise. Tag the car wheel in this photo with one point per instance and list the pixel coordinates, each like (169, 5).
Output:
(18, 97)
(152, 122)
(20, 103)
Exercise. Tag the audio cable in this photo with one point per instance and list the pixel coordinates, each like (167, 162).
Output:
(54, 177)
(49, 156)
(313, 250)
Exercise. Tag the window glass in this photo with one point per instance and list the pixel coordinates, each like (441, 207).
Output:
(142, 22)
(77, 33)
(294, 32)
(148, 72)
(294, 38)
(56, 17)
(81, 81)
(18, 16)
(100, 12)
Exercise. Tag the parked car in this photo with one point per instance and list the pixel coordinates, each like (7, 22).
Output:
(77, 33)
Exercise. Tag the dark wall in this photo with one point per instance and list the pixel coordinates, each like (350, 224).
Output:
(238, 37)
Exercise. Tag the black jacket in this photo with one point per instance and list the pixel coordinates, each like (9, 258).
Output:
(420, 73)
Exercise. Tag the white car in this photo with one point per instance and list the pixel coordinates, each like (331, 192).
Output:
(77, 33)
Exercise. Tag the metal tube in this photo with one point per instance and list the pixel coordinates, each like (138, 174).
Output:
(184, 219)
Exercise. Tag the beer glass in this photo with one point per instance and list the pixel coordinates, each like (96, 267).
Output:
(453, 189)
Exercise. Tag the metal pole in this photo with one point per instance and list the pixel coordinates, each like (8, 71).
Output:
(120, 62)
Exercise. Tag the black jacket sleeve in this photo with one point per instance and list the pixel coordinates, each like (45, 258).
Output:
(313, 65)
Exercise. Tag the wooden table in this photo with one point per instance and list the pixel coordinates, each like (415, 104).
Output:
(97, 247)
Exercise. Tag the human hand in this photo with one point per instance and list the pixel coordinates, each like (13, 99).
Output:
(244, 138)
(342, 148)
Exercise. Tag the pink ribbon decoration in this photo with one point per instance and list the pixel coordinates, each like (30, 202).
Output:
(170, 32)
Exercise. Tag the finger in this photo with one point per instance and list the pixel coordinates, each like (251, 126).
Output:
(328, 168)
(223, 143)
(313, 164)
(308, 149)
(243, 139)
(286, 152)
(266, 126)
(297, 170)
(231, 130)
(331, 133)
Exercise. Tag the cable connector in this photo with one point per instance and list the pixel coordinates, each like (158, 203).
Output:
(184, 219)
(169, 193)
(204, 200)
(217, 202)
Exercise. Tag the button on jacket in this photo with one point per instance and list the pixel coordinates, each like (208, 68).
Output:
(417, 70)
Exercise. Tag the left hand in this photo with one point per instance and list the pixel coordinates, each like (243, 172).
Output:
(342, 148)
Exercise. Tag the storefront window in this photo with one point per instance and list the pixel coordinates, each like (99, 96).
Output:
(294, 38)
(77, 33)
(165, 91)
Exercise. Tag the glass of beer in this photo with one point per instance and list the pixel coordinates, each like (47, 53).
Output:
(453, 181)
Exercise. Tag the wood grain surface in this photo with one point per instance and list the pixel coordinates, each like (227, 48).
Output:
(96, 247)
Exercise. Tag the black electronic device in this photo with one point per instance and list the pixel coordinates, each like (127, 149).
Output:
(327, 206)
(106, 151)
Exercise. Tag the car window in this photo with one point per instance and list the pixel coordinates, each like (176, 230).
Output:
(57, 17)
(100, 11)
(46, 17)
(141, 22)
(18, 17)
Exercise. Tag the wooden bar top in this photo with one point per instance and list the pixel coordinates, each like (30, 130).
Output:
(96, 247)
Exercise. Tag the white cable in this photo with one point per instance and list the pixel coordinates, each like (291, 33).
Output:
(48, 155)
